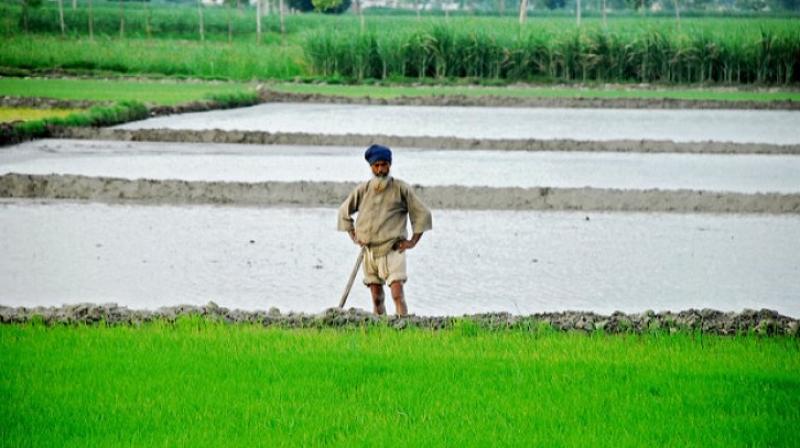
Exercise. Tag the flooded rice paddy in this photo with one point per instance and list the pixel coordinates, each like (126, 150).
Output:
(145, 256)
(741, 126)
(258, 163)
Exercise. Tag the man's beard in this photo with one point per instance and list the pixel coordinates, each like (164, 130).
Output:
(380, 182)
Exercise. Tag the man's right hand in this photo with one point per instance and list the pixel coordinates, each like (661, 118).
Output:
(352, 234)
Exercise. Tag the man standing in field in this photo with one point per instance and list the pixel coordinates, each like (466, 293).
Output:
(383, 205)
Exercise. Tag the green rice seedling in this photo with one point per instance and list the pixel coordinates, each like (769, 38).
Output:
(121, 112)
(231, 100)
(199, 382)
(466, 327)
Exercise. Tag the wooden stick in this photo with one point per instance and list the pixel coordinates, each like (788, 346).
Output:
(352, 277)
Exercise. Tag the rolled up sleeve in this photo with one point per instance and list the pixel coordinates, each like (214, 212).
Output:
(418, 213)
(346, 210)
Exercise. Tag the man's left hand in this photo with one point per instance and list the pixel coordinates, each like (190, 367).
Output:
(405, 244)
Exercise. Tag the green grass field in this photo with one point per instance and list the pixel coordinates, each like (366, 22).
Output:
(166, 92)
(203, 384)
(242, 61)
(170, 92)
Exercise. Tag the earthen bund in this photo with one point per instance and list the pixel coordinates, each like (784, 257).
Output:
(311, 194)
(363, 140)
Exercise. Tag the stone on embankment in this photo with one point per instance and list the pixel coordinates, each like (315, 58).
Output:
(763, 322)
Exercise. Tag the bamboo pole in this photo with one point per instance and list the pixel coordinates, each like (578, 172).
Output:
(283, 26)
(200, 16)
(61, 17)
(121, 19)
(352, 278)
(605, 19)
(147, 27)
(258, 21)
(91, 21)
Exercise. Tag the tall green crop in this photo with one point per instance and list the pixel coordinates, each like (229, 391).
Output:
(713, 53)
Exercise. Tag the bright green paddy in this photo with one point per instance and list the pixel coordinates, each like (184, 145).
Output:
(201, 384)
(158, 92)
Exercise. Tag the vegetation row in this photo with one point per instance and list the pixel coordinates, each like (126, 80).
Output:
(629, 49)
(120, 112)
(647, 55)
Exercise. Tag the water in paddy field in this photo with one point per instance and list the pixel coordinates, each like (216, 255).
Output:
(740, 126)
(253, 163)
(473, 261)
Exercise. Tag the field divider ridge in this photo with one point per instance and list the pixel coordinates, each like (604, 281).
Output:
(441, 143)
(331, 194)
(444, 100)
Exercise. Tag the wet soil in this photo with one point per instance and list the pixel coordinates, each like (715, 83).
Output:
(363, 140)
(304, 193)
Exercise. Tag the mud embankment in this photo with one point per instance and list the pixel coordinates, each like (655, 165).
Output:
(311, 194)
(510, 101)
(763, 322)
(363, 140)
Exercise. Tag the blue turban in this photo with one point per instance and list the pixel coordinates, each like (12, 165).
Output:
(377, 153)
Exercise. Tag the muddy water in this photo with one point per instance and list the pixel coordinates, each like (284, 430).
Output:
(744, 126)
(256, 163)
(255, 258)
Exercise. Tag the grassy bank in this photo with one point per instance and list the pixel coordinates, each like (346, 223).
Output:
(534, 91)
(173, 92)
(164, 92)
(213, 384)
(121, 112)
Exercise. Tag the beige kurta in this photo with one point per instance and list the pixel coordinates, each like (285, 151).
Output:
(382, 216)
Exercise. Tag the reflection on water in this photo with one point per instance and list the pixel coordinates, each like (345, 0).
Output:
(743, 126)
(292, 258)
(251, 163)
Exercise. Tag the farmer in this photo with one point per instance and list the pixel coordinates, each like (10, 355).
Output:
(383, 203)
